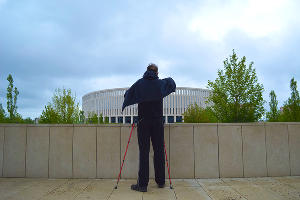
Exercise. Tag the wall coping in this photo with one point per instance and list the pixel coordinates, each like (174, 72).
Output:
(166, 125)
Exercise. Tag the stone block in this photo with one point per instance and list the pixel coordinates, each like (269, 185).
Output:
(151, 155)
(206, 151)
(230, 151)
(1, 149)
(131, 164)
(108, 151)
(14, 151)
(182, 151)
(254, 151)
(277, 150)
(37, 152)
(294, 145)
(60, 156)
(84, 152)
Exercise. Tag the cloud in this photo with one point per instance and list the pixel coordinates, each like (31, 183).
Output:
(96, 45)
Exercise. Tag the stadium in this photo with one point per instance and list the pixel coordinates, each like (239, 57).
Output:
(109, 103)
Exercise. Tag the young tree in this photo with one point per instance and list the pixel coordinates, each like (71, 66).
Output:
(236, 94)
(81, 117)
(49, 116)
(101, 119)
(196, 114)
(63, 109)
(11, 98)
(92, 118)
(291, 108)
(2, 114)
(273, 115)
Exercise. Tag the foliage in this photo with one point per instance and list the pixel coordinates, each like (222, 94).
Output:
(62, 110)
(101, 119)
(196, 114)
(28, 120)
(2, 114)
(273, 115)
(49, 116)
(81, 117)
(291, 108)
(106, 120)
(12, 95)
(92, 118)
(236, 94)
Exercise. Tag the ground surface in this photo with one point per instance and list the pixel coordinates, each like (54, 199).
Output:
(97, 189)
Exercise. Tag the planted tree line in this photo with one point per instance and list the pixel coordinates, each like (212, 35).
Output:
(236, 96)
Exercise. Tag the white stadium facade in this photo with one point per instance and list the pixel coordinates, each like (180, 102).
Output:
(109, 103)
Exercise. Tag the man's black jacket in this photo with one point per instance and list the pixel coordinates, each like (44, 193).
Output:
(148, 89)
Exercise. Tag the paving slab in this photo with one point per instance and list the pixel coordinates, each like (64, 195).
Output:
(11, 187)
(184, 183)
(37, 189)
(185, 193)
(103, 189)
(70, 190)
(249, 190)
(98, 189)
(223, 192)
(293, 182)
(125, 193)
(158, 193)
(211, 182)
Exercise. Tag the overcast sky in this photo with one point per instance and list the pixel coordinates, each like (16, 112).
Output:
(93, 45)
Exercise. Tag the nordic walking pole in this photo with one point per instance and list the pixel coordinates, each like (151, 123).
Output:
(116, 187)
(171, 187)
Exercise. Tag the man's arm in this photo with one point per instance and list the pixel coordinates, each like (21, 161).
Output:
(169, 86)
(129, 97)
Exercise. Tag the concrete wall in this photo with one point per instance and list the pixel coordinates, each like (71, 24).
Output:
(194, 150)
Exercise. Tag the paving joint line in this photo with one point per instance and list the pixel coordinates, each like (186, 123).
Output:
(108, 197)
(83, 189)
(205, 190)
(234, 189)
(174, 193)
(55, 188)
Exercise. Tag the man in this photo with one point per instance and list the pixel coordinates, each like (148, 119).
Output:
(149, 92)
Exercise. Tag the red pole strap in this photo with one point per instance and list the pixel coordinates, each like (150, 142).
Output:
(168, 165)
(125, 153)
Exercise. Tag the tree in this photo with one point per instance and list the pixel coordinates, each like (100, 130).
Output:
(236, 94)
(81, 117)
(12, 98)
(63, 109)
(92, 118)
(101, 119)
(273, 115)
(196, 114)
(49, 116)
(291, 108)
(2, 114)
(106, 120)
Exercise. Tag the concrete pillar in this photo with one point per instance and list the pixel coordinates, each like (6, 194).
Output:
(131, 119)
(109, 119)
(123, 119)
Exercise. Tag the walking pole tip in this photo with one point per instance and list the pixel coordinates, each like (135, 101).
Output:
(116, 187)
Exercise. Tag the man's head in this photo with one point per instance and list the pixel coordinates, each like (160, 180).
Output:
(152, 67)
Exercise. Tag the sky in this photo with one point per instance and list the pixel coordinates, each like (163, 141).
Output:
(93, 45)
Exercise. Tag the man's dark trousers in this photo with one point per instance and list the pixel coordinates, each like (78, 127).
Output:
(151, 128)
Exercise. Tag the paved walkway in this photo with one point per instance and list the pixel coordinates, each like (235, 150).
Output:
(207, 189)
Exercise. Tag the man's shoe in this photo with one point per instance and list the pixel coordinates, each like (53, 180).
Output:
(138, 188)
(161, 185)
